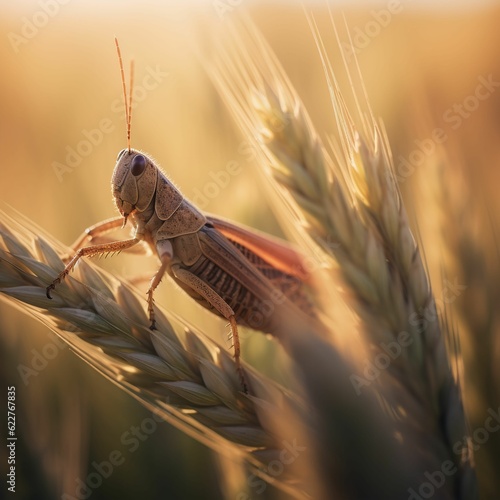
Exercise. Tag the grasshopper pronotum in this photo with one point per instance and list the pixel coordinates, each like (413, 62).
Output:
(231, 270)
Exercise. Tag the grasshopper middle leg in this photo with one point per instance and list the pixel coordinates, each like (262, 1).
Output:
(154, 283)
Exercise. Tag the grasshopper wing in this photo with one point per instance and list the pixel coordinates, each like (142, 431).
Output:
(256, 279)
(278, 253)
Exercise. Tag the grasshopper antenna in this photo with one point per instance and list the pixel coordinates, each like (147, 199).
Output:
(127, 102)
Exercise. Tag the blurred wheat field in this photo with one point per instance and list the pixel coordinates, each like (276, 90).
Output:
(421, 72)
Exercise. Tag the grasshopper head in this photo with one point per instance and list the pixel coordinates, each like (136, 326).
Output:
(133, 182)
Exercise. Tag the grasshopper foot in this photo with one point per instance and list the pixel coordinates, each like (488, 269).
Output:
(52, 286)
(243, 381)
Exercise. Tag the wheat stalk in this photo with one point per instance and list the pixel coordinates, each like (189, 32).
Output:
(175, 371)
(191, 383)
(353, 201)
(467, 233)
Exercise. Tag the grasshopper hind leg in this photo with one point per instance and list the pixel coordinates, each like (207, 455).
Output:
(237, 352)
(222, 307)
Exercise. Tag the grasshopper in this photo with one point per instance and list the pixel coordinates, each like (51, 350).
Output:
(244, 276)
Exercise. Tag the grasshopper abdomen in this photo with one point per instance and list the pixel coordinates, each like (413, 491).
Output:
(255, 290)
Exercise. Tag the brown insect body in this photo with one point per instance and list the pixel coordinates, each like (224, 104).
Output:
(252, 287)
(239, 274)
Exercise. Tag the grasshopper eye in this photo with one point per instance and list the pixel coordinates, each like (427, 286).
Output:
(138, 165)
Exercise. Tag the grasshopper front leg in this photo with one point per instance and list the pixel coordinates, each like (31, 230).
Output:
(97, 230)
(212, 297)
(90, 251)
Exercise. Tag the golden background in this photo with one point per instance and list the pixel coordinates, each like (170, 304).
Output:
(61, 80)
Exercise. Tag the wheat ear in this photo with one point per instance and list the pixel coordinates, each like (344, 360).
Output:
(465, 227)
(175, 371)
(354, 202)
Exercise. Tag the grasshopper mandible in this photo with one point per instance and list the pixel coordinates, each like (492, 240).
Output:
(233, 271)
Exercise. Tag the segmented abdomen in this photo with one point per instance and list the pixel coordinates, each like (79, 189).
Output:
(248, 309)
(256, 309)
(291, 286)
